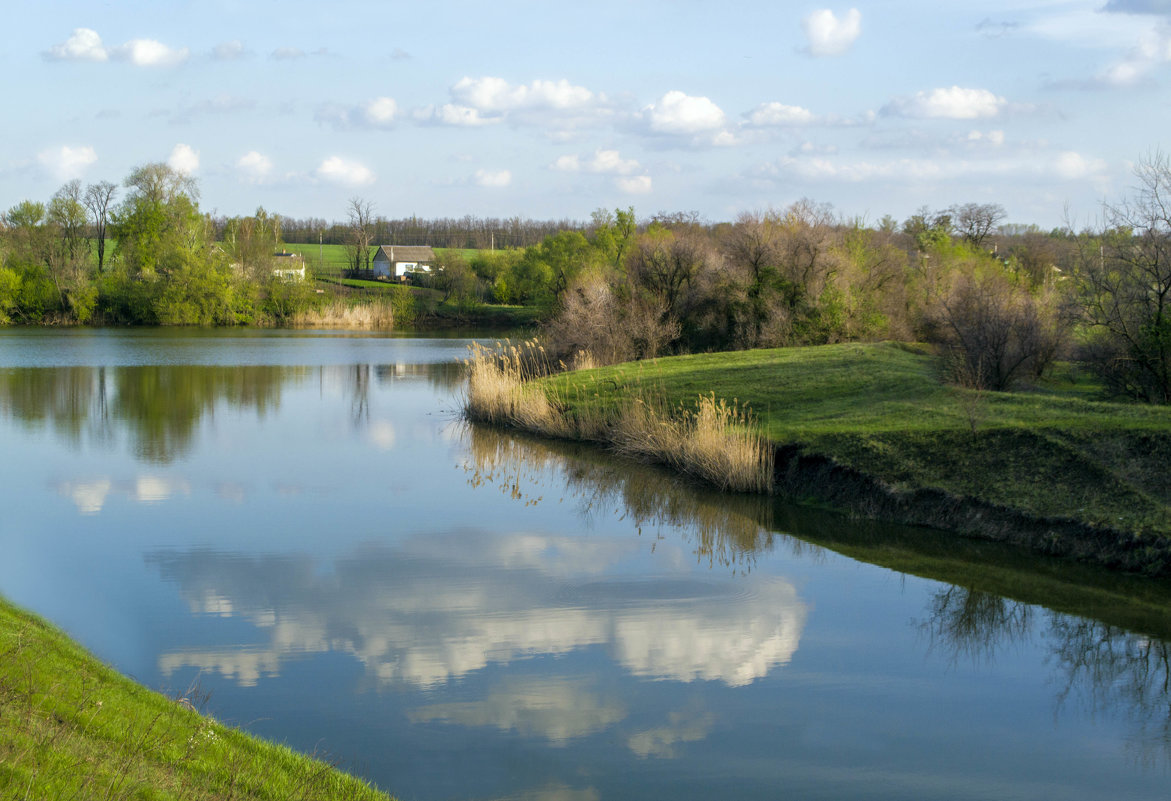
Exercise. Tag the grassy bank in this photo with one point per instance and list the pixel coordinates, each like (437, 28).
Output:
(71, 727)
(871, 428)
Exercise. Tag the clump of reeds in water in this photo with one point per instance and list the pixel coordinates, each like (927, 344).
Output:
(718, 441)
(500, 389)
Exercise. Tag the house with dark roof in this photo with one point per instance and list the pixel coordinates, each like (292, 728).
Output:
(396, 261)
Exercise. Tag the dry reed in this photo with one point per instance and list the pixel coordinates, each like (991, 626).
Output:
(718, 442)
(377, 315)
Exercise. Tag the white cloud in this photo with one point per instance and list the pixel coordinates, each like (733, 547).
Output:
(184, 159)
(830, 36)
(497, 95)
(149, 53)
(1071, 165)
(86, 45)
(777, 114)
(83, 45)
(337, 170)
(635, 185)
(994, 138)
(229, 51)
(67, 163)
(493, 179)
(679, 113)
(380, 111)
(603, 162)
(1153, 50)
(255, 166)
(954, 103)
(451, 114)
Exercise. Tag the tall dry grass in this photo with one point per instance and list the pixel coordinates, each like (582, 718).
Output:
(377, 315)
(717, 442)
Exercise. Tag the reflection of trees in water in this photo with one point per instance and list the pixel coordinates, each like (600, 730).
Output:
(727, 529)
(964, 622)
(1117, 672)
(159, 406)
(1114, 671)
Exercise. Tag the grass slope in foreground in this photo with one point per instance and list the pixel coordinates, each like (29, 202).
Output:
(881, 411)
(71, 727)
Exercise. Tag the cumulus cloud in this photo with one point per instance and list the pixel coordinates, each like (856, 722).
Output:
(295, 53)
(1071, 166)
(635, 185)
(86, 45)
(338, 170)
(494, 95)
(1153, 50)
(254, 166)
(229, 51)
(494, 179)
(149, 53)
(828, 35)
(184, 159)
(67, 163)
(778, 114)
(679, 113)
(954, 103)
(603, 162)
(83, 45)
(454, 115)
(380, 111)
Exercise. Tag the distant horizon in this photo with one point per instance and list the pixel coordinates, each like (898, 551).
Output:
(551, 112)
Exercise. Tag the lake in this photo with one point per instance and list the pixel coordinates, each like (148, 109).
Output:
(297, 530)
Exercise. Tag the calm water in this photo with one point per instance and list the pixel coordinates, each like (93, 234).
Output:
(299, 525)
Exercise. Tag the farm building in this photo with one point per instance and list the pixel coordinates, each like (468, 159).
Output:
(395, 261)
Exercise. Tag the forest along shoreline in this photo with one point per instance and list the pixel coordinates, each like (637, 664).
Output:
(871, 430)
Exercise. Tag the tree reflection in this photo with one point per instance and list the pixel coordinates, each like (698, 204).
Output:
(1116, 671)
(1112, 670)
(727, 530)
(968, 623)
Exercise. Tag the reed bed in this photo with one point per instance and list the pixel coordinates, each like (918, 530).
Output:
(376, 315)
(717, 441)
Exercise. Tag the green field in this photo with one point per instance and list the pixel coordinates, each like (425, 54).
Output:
(1057, 452)
(71, 727)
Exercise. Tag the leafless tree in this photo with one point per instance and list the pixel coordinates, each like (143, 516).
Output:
(975, 222)
(360, 213)
(99, 201)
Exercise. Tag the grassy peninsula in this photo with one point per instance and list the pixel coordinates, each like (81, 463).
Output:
(874, 430)
(72, 727)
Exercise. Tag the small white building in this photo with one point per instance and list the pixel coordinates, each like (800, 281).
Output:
(395, 261)
(288, 266)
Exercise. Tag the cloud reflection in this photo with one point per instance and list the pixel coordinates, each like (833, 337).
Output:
(440, 608)
(558, 710)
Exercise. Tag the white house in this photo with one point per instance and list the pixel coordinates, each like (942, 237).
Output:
(288, 266)
(395, 261)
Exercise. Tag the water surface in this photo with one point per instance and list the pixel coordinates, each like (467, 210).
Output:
(299, 526)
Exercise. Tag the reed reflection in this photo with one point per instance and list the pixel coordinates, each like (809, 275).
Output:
(728, 530)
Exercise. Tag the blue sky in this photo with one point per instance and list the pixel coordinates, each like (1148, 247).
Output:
(552, 110)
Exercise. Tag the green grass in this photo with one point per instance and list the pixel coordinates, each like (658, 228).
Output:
(71, 727)
(882, 409)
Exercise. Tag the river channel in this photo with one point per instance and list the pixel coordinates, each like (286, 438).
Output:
(297, 529)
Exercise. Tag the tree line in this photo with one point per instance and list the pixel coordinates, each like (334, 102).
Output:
(1002, 302)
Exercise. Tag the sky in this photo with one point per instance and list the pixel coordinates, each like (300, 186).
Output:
(552, 110)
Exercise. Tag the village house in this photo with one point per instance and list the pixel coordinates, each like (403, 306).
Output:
(288, 266)
(397, 261)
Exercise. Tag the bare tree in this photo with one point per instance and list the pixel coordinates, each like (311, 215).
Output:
(975, 222)
(1125, 287)
(360, 214)
(99, 201)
